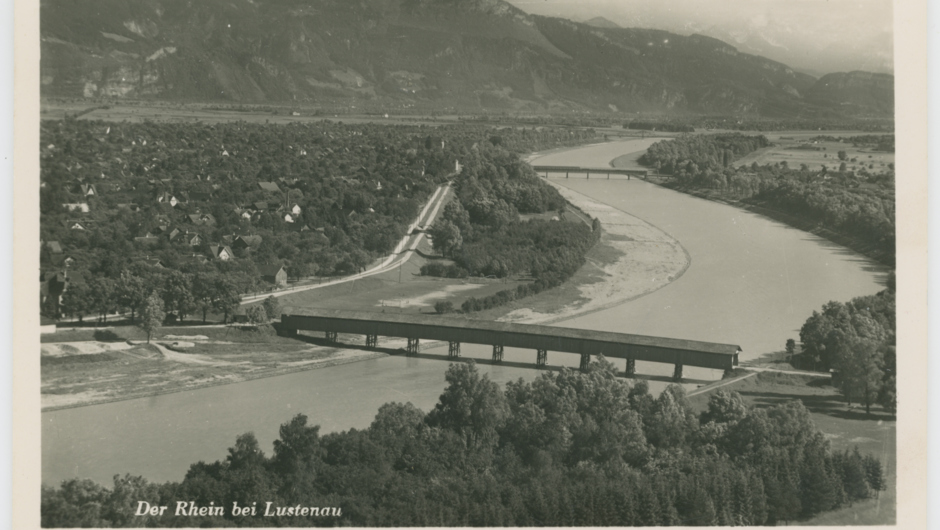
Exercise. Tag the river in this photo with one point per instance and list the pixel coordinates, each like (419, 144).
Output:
(752, 281)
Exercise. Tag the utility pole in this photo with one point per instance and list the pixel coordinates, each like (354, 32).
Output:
(399, 270)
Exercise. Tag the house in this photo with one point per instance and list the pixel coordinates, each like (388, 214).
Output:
(288, 218)
(221, 252)
(244, 214)
(148, 239)
(200, 219)
(167, 198)
(75, 225)
(260, 206)
(295, 209)
(269, 186)
(153, 262)
(246, 242)
(200, 196)
(62, 260)
(274, 274)
(89, 190)
(54, 247)
(77, 207)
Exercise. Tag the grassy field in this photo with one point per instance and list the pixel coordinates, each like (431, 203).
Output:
(845, 427)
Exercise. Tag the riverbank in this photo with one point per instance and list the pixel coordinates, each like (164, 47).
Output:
(83, 373)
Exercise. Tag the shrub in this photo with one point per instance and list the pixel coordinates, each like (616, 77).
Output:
(444, 306)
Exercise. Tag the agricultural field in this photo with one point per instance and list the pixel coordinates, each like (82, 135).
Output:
(801, 148)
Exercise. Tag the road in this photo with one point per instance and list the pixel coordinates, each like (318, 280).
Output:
(402, 253)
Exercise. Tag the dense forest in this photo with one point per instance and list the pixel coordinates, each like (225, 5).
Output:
(858, 340)
(567, 449)
(858, 205)
(483, 233)
(129, 208)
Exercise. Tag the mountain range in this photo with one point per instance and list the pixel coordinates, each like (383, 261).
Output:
(456, 55)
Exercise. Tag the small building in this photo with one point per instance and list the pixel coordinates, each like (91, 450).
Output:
(274, 274)
(221, 252)
(54, 246)
(77, 207)
(89, 190)
(167, 198)
(269, 186)
(200, 219)
(247, 242)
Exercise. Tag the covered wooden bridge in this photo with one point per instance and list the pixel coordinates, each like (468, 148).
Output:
(578, 170)
(499, 335)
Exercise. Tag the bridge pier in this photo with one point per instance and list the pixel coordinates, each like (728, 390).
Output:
(585, 361)
(497, 353)
(677, 374)
(412, 346)
(631, 367)
(372, 341)
(588, 175)
(566, 174)
(541, 358)
(331, 336)
(453, 349)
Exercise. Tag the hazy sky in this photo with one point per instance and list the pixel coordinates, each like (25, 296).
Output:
(819, 36)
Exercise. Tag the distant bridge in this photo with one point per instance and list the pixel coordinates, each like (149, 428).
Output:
(578, 170)
(499, 335)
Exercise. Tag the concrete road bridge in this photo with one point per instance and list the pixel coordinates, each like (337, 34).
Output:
(599, 171)
(542, 339)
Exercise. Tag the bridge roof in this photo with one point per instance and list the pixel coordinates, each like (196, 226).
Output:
(510, 327)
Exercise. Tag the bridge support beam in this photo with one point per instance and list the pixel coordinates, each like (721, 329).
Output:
(585, 361)
(331, 336)
(453, 349)
(372, 341)
(497, 353)
(412, 346)
(541, 358)
(588, 175)
(631, 367)
(677, 374)
(566, 174)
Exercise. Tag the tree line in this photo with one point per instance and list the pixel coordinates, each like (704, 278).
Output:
(567, 449)
(483, 233)
(859, 205)
(858, 340)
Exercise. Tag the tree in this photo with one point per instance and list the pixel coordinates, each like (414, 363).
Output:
(256, 314)
(178, 293)
(271, 307)
(152, 315)
(226, 299)
(445, 237)
(131, 293)
(842, 155)
(444, 306)
(76, 300)
(471, 405)
(791, 346)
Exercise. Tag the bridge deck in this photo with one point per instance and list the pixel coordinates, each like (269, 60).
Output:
(583, 169)
(529, 336)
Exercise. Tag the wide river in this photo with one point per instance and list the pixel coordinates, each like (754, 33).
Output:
(752, 282)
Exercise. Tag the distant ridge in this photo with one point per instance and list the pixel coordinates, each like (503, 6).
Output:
(451, 55)
(601, 22)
